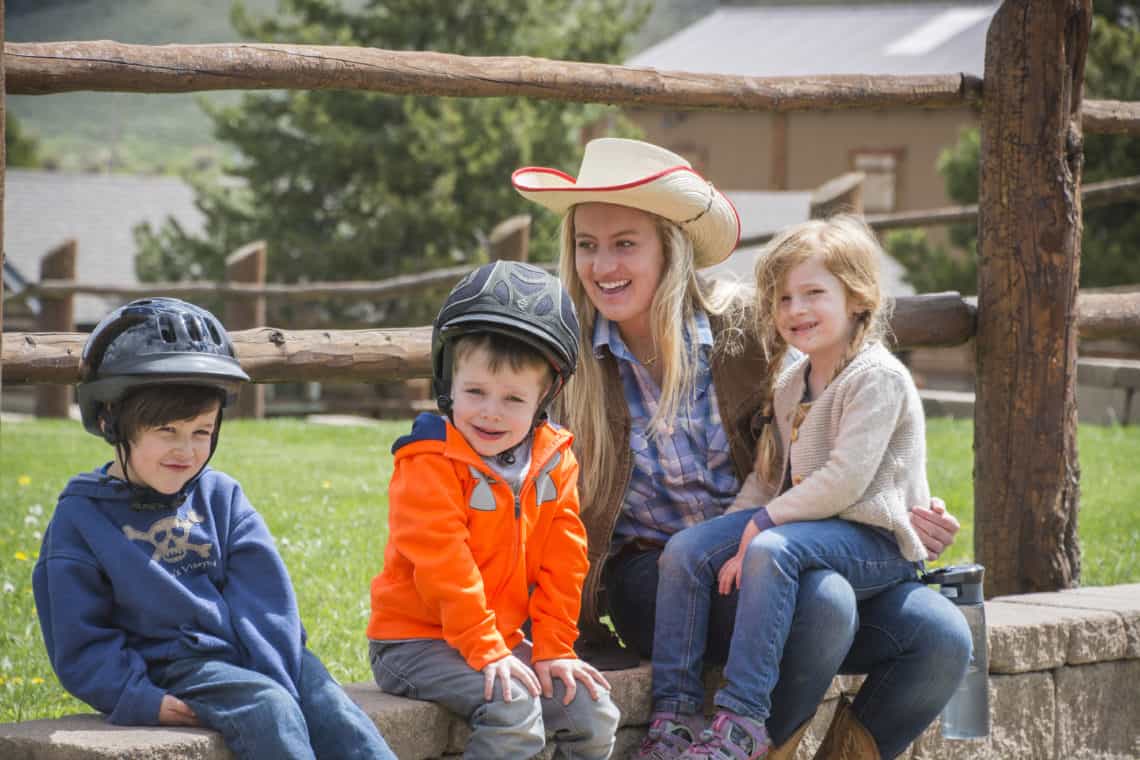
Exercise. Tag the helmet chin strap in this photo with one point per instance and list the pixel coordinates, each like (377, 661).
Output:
(147, 499)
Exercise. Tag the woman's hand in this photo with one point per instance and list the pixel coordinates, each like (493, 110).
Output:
(503, 670)
(174, 712)
(570, 671)
(935, 526)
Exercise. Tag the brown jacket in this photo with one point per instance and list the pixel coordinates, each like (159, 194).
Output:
(739, 374)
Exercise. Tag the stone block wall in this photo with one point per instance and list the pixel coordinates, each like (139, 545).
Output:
(1064, 683)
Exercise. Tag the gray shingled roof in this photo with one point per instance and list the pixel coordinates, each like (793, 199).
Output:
(789, 40)
(42, 209)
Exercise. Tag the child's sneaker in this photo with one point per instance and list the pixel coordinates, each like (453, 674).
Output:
(669, 735)
(731, 737)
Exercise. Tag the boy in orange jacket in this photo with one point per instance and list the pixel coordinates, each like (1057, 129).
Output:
(484, 532)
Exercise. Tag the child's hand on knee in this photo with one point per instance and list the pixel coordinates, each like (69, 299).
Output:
(729, 576)
(174, 712)
(569, 671)
(503, 670)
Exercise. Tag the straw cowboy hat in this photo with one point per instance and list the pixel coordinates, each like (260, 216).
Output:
(643, 176)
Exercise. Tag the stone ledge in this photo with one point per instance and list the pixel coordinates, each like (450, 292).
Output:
(1042, 631)
(1065, 682)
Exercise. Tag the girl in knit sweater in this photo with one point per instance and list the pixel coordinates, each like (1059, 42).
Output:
(841, 458)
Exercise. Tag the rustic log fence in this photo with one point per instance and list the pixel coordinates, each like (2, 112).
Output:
(273, 355)
(1093, 195)
(1029, 215)
(244, 293)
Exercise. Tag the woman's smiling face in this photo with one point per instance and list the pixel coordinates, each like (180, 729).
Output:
(619, 257)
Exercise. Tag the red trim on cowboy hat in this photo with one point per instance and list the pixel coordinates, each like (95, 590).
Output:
(642, 176)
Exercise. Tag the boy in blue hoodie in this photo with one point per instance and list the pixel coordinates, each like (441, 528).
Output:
(161, 596)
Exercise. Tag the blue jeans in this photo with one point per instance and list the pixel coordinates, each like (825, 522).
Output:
(432, 670)
(259, 719)
(909, 640)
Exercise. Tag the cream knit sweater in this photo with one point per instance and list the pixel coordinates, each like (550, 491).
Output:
(860, 453)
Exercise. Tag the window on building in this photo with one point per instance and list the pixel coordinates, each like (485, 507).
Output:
(881, 169)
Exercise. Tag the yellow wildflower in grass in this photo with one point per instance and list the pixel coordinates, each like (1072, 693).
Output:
(37, 681)
(24, 480)
(326, 484)
(21, 556)
(3, 680)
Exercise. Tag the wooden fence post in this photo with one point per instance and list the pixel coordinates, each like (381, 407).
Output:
(841, 195)
(57, 314)
(1026, 473)
(3, 177)
(247, 265)
(510, 240)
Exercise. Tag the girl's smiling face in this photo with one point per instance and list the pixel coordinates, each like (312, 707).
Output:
(813, 313)
(619, 257)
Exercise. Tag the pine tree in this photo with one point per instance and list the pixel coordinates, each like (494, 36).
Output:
(352, 185)
(22, 149)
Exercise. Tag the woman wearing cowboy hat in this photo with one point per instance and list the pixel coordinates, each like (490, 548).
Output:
(666, 409)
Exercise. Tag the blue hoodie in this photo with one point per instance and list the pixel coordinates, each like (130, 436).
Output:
(118, 589)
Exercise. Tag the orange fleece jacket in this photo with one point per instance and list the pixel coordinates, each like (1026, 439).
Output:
(468, 563)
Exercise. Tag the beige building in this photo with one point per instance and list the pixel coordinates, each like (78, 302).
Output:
(896, 149)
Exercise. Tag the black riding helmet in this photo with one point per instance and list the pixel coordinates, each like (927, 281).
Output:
(153, 341)
(514, 299)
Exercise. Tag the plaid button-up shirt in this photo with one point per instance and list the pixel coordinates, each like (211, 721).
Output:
(684, 474)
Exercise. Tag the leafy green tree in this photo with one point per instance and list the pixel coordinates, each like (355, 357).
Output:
(22, 149)
(352, 185)
(1111, 233)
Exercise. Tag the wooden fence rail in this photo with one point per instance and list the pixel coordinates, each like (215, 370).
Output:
(39, 68)
(271, 355)
(395, 287)
(1093, 195)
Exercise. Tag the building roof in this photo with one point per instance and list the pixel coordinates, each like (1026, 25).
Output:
(43, 209)
(791, 40)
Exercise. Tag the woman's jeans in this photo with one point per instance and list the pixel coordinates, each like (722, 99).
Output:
(259, 719)
(910, 641)
(430, 669)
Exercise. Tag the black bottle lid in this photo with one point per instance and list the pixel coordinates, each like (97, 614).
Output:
(962, 584)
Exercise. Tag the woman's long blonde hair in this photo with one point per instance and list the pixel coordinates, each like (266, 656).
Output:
(582, 407)
(851, 252)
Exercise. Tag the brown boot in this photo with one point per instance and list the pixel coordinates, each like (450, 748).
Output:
(847, 738)
(787, 750)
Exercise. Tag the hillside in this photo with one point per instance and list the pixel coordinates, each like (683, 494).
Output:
(86, 130)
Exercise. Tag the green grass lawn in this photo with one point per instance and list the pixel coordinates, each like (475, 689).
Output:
(323, 491)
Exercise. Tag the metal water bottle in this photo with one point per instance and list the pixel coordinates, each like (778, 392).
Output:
(967, 716)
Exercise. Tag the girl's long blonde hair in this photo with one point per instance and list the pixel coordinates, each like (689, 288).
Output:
(582, 408)
(851, 252)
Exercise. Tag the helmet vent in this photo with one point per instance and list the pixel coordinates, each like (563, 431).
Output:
(214, 336)
(544, 306)
(166, 328)
(502, 293)
(192, 327)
